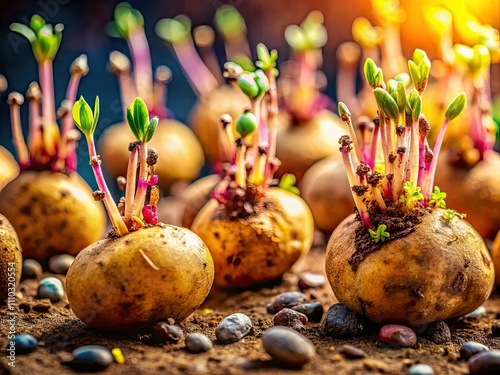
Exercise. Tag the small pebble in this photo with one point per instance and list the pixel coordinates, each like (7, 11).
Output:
(420, 369)
(288, 346)
(476, 313)
(52, 288)
(198, 343)
(485, 363)
(398, 334)
(437, 332)
(288, 299)
(290, 318)
(233, 328)
(469, 348)
(163, 331)
(352, 352)
(495, 329)
(311, 280)
(23, 343)
(90, 358)
(60, 263)
(31, 269)
(313, 310)
(341, 322)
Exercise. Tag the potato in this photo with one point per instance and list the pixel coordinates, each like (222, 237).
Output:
(52, 213)
(196, 196)
(9, 169)
(258, 248)
(11, 258)
(439, 271)
(301, 145)
(146, 276)
(177, 147)
(495, 254)
(323, 183)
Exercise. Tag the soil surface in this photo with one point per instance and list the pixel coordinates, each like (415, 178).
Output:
(59, 332)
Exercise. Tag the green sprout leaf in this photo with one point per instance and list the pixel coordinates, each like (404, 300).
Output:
(229, 22)
(370, 70)
(127, 19)
(254, 84)
(438, 198)
(246, 124)
(419, 68)
(456, 106)
(267, 60)
(138, 121)
(449, 215)
(287, 182)
(401, 96)
(343, 110)
(379, 78)
(45, 39)
(414, 104)
(412, 195)
(174, 30)
(386, 103)
(311, 34)
(83, 117)
(380, 235)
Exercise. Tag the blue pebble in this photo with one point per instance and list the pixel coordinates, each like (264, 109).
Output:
(476, 313)
(90, 358)
(469, 348)
(52, 288)
(23, 343)
(420, 369)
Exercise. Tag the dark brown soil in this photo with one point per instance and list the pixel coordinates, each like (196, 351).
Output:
(59, 332)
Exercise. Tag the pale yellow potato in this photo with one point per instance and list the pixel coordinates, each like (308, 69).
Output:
(180, 155)
(196, 196)
(495, 254)
(437, 272)
(261, 247)
(11, 258)
(52, 213)
(9, 169)
(298, 146)
(146, 276)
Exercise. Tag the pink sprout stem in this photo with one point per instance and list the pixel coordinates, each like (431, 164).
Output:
(17, 135)
(429, 175)
(373, 147)
(34, 135)
(140, 195)
(422, 164)
(138, 45)
(413, 164)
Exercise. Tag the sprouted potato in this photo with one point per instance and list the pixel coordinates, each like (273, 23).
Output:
(11, 259)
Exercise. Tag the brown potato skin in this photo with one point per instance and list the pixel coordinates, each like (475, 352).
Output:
(180, 156)
(196, 196)
(475, 191)
(249, 252)
(9, 169)
(52, 213)
(110, 285)
(326, 182)
(495, 254)
(437, 272)
(205, 116)
(10, 252)
(298, 146)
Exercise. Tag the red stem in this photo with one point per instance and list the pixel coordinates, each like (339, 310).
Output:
(141, 56)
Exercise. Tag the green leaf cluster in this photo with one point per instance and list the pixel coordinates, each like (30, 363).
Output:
(456, 106)
(246, 124)
(138, 121)
(311, 34)
(380, 235)
(253, 84)
(84, 118)
(229, 22)
(412, 195)
(267, 60)
(287, 182)
(476, 58)
(438, 198)
(174, 30)
(373, 74)
(449, 215)
(45, 39)
(127, 19)
(419, 68)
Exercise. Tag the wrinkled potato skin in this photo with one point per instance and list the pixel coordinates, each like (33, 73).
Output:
(196, 196)
(9, 169)
(10, 251)
(110, 285)
(326, 182)
(299, 146)
(260, 249)
(180, 156)
(52, 213)
(205, 116)
(475, 192)
(495, 254)
(437, 272)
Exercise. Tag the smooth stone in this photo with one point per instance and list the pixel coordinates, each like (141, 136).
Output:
(420, 369)
(398, 334)
(60, 263)
(341, 322)
(352, 352)
(495, 329)
(233, 328)
(31, 269)
(24, 343)
(91, 358)
(290, 318)
(485, 363)
(437, 332)
(198, 343)
(166, 332)
(311, 280)
(469, 348)
(313, 310)
(288, 299)
(288, 346)
(51, 288)
(480, 311)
